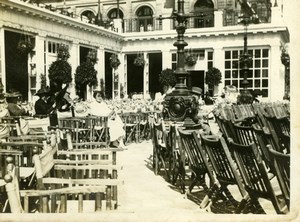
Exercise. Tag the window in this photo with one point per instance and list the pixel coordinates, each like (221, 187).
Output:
(258, 75)
(113, 14)
(210, 57)
(144, 18)
(52, 47)
(174, 61)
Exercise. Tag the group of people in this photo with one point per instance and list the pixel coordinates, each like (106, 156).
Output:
(50, 103)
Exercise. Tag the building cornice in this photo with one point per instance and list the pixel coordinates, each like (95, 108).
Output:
(39, 13)
(211, 32)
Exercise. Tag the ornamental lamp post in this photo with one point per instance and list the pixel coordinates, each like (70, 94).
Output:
(180, 105)
(245, 96)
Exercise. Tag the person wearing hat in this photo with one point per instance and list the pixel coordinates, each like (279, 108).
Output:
(98, 107)
(42, 106)
(13, 104)
(197, 92)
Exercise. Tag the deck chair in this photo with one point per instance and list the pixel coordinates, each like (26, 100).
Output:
(80, 126)
(281, 164)
(100, 130)
(197, 161)
(160, 151)
(176, 158)
(226, 173)
(255, 177)
(131, 127)
(280, 130)
(144, 127)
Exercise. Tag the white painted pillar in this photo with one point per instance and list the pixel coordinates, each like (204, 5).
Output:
(166, 59)
(74, 62)
(218, 19)
(2, 58)
(146, 75)
(118, 25)
(276, 16)
(276, 74)
(218, 62)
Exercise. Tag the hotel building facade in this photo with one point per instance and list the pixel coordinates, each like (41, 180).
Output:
(131, 28)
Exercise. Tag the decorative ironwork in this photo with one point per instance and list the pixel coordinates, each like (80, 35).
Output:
(248, 17)
(180, 104)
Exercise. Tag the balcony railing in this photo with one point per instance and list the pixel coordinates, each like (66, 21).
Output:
(141, 25)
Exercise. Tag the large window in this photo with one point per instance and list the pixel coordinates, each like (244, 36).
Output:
(113, 14)
(258, 75)
(145, 18)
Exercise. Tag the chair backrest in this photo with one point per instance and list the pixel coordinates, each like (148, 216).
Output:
(222, 162)
(280, 131)
(26, 148)
(227, 129)
(282, 164)
(191, 145)
(100, 129)
(244, 134)
(254, 173)
(159, 135)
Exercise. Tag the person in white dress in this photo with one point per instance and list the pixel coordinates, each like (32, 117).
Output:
(98, 107)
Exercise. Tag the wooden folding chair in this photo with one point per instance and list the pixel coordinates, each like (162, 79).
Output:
(131, 127)
(176, 158)
(280, 130)
(255, 177)
(281, 163)
(160, 151)
(100, 129)
(144, 127)
(197, 160)
(226, 173)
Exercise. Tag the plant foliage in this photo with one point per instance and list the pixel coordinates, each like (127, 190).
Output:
(60, 72)
(167, 77)
(190, 60)
(24, 47)
(114, 61)
(86, 74)
(139, 61)
(213, 77)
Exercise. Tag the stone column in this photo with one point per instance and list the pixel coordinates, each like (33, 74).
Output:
(218, 62)
(2, 58)
(74, 62)
(276, 74)
(218, 19)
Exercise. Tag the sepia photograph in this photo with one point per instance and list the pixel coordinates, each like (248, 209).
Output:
(149, 110)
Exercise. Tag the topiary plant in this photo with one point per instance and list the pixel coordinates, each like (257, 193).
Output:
(60, 70)
(167, 78)
(213, 77)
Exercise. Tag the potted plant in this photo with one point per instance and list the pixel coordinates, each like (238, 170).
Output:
(167, 79)
(60, 70)
(114, 61)
(139, 61)
(24, 47)
(213, 78)
(190, 60)
(85, 73)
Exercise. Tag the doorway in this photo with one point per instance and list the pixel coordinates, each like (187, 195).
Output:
(135, 76)
(197, 79)
(155, 68)
(108, 84)
(16, 65)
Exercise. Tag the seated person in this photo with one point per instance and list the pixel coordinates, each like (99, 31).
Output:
(42, 106)
(98, 107)
(3, 106)
(14, 100)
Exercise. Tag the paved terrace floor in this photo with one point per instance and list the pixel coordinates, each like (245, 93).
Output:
(145, 197)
